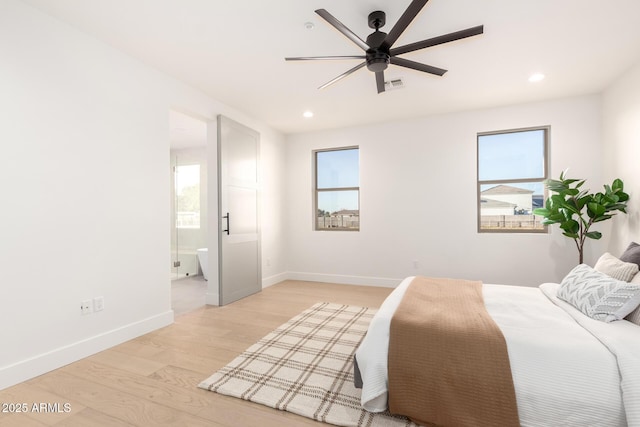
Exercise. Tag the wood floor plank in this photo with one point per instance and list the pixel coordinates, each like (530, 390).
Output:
(178, 376)
(19, 420)
(41, 406)
(152, 380)
(227, 345)
(125, 406)
(204, 361)
(188, 400)
(139, 349)
(89, 417)
(133, 364)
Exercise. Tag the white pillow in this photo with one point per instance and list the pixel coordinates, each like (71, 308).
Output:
(612, 266)
(597, 295)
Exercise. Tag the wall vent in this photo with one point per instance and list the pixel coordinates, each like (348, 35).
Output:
(393, 84)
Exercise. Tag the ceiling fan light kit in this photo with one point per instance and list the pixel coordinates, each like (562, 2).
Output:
(378, 48)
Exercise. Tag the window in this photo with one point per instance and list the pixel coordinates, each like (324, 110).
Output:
(337, 189)
(512, 167)
(187, 185)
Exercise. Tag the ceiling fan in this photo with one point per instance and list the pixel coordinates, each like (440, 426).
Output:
(379, 52)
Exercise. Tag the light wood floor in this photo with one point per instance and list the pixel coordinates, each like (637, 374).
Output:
(152, 380)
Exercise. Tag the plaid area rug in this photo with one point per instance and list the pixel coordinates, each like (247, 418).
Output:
(306, 367)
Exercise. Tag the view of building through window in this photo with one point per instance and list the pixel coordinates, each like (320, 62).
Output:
(337, 189)
(512, 167)
(187, 186)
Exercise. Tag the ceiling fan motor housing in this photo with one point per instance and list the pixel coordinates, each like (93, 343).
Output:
(377, 60)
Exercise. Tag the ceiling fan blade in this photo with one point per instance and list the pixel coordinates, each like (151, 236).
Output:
(380, 81)
(342, 28)
(407, 17)
(417, 66)
(446, 38)
(343, 75)
(314, 58)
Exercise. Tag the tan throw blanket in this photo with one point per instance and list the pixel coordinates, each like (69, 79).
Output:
(448, 361)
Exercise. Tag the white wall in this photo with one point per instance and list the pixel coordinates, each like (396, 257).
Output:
(425, 169)
(621, 141)
(273, 173)
(86, 209)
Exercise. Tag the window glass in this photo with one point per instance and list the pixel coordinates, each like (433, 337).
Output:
(338, 168)
(512, 167)
(513, 155)
(337, 190)
(187, 184)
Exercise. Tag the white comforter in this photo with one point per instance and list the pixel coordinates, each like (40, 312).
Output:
(568, 369)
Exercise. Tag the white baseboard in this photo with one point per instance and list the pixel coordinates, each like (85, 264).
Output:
(344, 279)
(272, 280)
(46, 362)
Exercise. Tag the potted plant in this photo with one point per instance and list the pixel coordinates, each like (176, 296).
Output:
(576, 210)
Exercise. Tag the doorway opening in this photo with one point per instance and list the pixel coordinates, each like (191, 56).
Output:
(189, 216)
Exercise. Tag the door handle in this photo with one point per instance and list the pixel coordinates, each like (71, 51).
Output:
(227, 218)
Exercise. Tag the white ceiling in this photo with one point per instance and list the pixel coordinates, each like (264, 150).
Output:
(234, 51)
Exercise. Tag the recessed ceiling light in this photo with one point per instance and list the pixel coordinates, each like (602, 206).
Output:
(536, 77)
(309, 25)
(307, 114)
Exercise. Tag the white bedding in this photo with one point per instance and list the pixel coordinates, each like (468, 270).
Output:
(568, 369)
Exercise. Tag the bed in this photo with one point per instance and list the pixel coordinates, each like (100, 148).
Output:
(568, 369)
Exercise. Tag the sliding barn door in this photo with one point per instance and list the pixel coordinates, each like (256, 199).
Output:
(239, 242)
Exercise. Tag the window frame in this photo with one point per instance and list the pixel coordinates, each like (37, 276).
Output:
(316, 190)
(479, 183)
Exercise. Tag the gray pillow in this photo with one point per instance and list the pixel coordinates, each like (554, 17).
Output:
(597, 295)
(634, 316)
(632, 253)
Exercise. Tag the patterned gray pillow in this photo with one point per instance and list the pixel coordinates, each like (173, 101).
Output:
(597, 295)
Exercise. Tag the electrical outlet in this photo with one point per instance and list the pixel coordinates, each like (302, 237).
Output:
(85, 306)
(98, 304)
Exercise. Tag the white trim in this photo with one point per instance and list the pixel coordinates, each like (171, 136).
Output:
(272, 280)
(26, 369)
(344, 279)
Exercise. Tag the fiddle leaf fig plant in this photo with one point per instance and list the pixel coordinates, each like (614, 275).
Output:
(576, 210)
